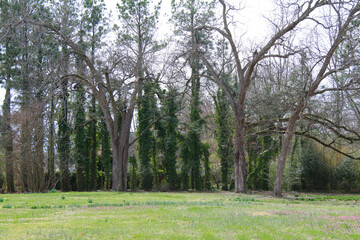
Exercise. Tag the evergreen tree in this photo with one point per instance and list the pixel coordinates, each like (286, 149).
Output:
(187, 15)
(133, 172)
(105, 158)
(80, 156)
(64, 130)
(207, 171)
(145, 138)
(171, 124)
(7, 72)
(223, 135)
(185, 168)
(138, 28)
(66, 9)
(94, 25)
(261, 151)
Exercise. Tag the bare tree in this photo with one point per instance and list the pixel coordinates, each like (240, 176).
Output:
(245, 73)
(342, 27)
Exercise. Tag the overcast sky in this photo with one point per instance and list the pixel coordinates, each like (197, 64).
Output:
(250, 18)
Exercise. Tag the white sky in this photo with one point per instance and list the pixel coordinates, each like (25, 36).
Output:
(250, 19)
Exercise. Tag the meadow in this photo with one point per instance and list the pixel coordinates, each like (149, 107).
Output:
(180, 215)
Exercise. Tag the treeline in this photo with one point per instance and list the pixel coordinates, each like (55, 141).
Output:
(96, 103)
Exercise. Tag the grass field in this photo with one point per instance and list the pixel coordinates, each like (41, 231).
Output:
(113, 215)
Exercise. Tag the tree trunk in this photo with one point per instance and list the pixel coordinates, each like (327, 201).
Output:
(51, 148)
(93, 167)
(9, 162)
(120, 146)
(285, 148)
(240, 155)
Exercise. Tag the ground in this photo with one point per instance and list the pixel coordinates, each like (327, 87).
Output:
(147, 215)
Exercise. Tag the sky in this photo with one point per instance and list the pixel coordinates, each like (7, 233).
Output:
(250, 19)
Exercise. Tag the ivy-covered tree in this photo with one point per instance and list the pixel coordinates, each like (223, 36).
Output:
(171, 138)
(145, 135)
(68, 18)
(206, 162)
(106, 155)
(223, 135)
(187, 15)
(94, 21)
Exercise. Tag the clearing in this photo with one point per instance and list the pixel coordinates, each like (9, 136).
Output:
(180, 215)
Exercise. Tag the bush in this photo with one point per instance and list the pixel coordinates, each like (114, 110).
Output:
(315, 173)
(346, 176)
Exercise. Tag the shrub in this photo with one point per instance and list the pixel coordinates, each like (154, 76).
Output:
(62, 197)
(1, 199)
(346, 176)
(316, 173)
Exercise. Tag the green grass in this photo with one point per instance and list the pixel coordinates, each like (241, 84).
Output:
(143, 215)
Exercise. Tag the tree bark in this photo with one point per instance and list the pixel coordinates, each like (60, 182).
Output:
(8, 138)
(284, 152)
(240, 154)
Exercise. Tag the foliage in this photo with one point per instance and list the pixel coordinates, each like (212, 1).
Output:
(223, 135)
(261, 151)
(145, 137)
(346, 176)
(171, 138)
(105, 158)
(207, 171)
(315, 173)
(133, 173)
(81, 157)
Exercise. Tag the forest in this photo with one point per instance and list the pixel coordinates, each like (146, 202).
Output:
(106, 100)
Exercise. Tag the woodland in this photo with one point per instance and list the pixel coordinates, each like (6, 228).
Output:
(100, 101)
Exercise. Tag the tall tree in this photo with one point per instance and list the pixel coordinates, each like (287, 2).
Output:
(138, 25)
(94, 24)
(67, 18)
(105, 157)
(146, 142)
(7, 61)
(187, 15)
(342, 28)
(81, 156)
(245, 74)
(171, 138)
(223, 135)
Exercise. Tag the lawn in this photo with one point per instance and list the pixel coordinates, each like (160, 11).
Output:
(147, 215)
